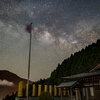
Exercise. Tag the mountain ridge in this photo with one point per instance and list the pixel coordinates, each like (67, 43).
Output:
(9, 83)
(10, 76)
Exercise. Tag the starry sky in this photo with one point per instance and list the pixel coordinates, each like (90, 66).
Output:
(61, 27)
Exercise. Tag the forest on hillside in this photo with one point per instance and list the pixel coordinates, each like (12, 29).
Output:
(78, 62)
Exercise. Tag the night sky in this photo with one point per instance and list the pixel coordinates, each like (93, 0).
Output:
(61, 27)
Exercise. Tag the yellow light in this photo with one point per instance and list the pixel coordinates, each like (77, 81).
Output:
(59, 91)
(33, 92)
(64, 91)
(45, 88)
(39, 90)
(20, 89)
(55, 90)
(50, 90)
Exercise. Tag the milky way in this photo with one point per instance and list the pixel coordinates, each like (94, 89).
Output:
(61, 27)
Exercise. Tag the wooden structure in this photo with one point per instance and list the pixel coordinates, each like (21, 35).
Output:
(84, 86)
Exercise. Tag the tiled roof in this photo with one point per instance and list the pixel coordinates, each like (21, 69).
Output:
(83, 75)
(67, 84)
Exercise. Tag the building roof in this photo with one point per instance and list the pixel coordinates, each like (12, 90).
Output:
(66, 84)
(83, 75)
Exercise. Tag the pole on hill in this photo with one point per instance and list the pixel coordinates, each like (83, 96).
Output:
(29, 29)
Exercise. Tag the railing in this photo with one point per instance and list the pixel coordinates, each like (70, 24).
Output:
(53, 98)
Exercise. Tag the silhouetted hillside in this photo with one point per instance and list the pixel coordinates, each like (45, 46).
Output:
(9, 76)
(78, 62)
(9, 83)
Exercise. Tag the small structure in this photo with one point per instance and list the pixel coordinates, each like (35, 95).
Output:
(84, 86)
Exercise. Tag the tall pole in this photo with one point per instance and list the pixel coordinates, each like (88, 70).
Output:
(29, 60)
